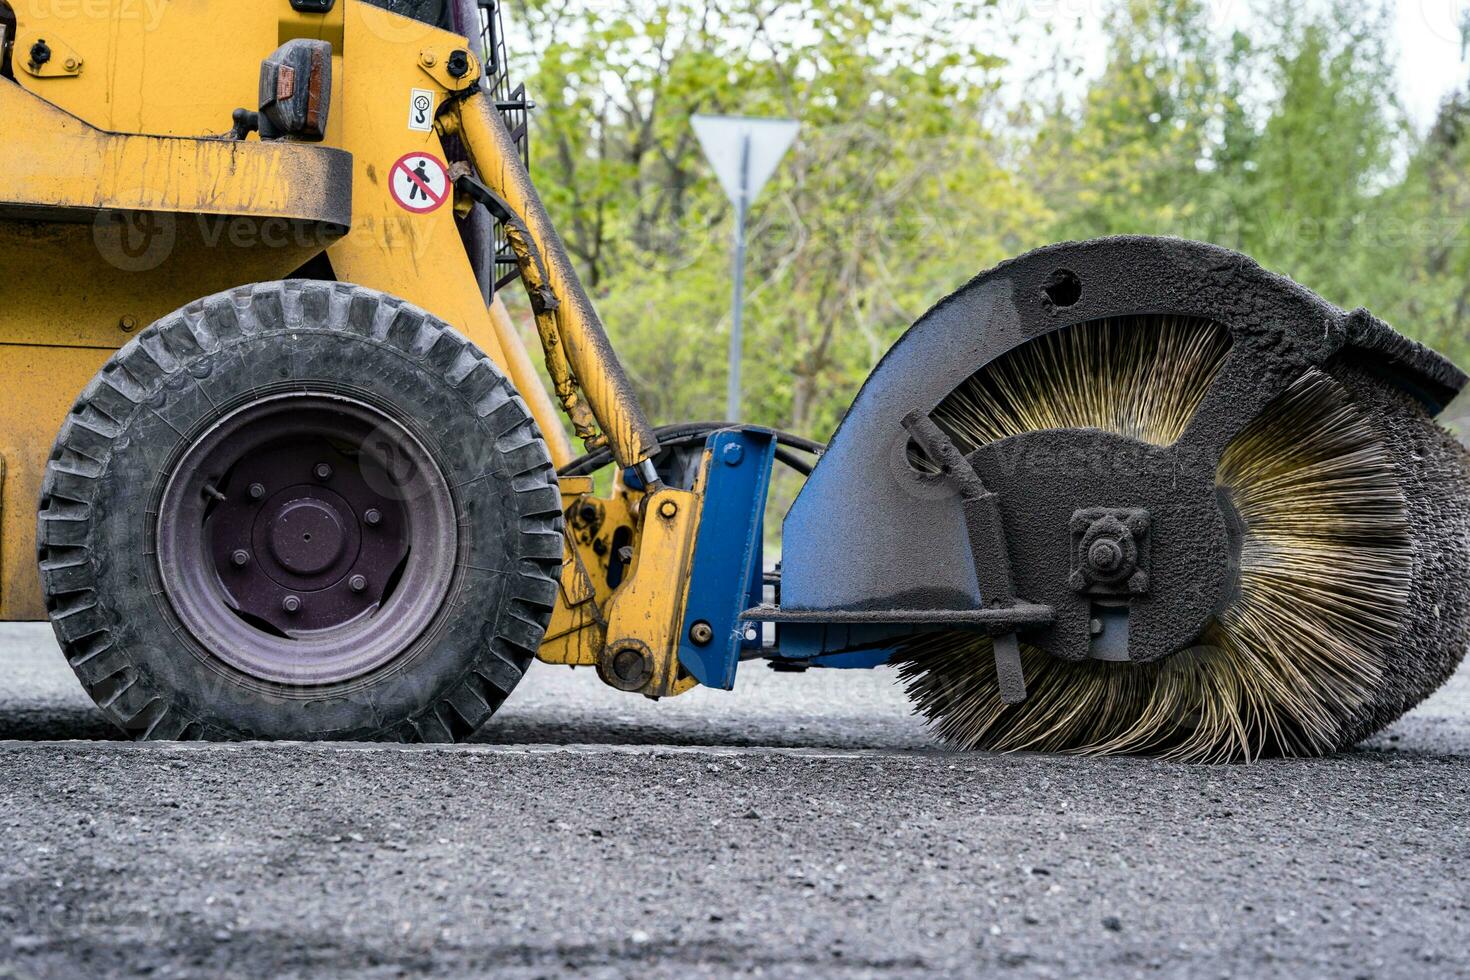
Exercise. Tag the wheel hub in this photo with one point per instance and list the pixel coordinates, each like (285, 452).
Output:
(307, 536)
(311, 538)
(293, 550)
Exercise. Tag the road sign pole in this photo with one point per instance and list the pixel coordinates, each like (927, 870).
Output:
(737, 322)
(744, 153)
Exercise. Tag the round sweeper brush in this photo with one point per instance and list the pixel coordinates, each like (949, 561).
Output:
(1348, 519)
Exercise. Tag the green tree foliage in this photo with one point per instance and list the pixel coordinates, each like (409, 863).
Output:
(1132, 158)
(915, 170)
(1429, 211)
(897, 185)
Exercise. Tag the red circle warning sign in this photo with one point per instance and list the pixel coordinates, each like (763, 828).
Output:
(419, 182)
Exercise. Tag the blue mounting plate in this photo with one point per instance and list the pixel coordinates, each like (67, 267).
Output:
(725, 577)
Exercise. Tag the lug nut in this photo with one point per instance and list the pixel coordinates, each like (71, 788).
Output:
(292, 604)
(668, 508)
(257, 490)
(373, 517)
(357, 583)
(323, 471)
(701, 633)
(240, 558)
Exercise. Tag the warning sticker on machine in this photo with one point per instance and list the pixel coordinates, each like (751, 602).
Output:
(419, 182)
(421, 110)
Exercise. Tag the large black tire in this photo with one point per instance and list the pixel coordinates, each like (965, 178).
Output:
(108, 590)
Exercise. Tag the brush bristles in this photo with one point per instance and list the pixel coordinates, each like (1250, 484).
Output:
(1140, 378)
(1325, 568)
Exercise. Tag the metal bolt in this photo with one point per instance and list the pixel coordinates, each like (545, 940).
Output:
(357, 583)
(292, 604)
(1095, 627)
(240, 558)
(323, 471)
(40, 53)
(1105, 555)
(257, 490)
(72, 64)
(373, 517)
(630, 668)
(733, 454)
(127, 324)
(668, 508)
(429, 59)
(701, 633)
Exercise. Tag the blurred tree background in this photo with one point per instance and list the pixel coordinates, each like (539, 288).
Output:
(917, 168)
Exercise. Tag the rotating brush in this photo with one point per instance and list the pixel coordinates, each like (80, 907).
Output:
(1341, 495)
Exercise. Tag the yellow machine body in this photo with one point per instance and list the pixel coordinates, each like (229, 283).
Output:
(126, 197)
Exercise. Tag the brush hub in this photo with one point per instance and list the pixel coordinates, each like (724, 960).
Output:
(1149, 569)
(1110, 551)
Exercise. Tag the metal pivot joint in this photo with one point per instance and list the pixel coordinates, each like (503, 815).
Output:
(987, 544)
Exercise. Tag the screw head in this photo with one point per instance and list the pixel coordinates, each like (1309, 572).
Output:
(357, 583)
(240, 558)
(373, 517)
(127, 324)
(323, 471)
(668, 509)
(291, 604)
(428, 59)
(701, 633)
(733, 454)
(257, 491)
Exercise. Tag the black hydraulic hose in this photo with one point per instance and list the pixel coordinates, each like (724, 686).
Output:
(683, 433)
(795, 462)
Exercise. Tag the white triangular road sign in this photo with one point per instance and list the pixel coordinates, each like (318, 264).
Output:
(744, 151)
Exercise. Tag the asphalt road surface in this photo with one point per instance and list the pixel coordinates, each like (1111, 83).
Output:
(802, 826)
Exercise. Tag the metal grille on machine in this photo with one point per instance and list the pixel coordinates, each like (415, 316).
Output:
(516, 111)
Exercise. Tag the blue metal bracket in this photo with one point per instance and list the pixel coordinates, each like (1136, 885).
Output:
(725, 578)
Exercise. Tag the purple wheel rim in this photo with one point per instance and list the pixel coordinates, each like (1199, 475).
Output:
(307, 539)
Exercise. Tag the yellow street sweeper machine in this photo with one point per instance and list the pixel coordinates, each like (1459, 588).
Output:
(297, 476)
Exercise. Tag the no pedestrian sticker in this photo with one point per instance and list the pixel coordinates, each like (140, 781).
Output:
(419, 183)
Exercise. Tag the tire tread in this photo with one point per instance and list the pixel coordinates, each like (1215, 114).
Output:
(163, 352)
